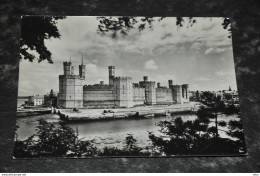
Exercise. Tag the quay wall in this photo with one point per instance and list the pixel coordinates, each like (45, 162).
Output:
(120, 113)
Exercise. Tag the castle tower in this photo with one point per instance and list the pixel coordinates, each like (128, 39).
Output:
(170, 83)
(150, 92)
(71, 87)
(82, 70)
(68, 68)
(111, 71)
(123, 87)
(177, 95)
(145, 78)
(186, 91)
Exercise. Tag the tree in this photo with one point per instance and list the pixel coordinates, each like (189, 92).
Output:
(236, 131)
(34, 30)
(228, 96)
(51, 141)
(185, 137)
(208, 96)
(130, 149)
(197, 137)
(231, 109)
(193, 138)
(114, 26)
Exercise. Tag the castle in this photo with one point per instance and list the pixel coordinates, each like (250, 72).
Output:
(120, 92)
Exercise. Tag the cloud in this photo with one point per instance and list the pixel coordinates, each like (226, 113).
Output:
(209, 50)
(151, 65)
(208, 27)
(166, 36)
(196, 45)
(92, 68)
(223, 73)
(202, 79)
(214, 50)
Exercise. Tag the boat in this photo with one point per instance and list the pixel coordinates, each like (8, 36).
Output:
(149, 116)
(75, 110)
(168, 113)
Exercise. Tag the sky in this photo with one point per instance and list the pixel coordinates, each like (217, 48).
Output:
(200, 56)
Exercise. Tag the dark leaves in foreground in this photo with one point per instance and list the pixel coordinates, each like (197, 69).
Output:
(114, 26)
(51, 141)
(62, 141)
(34, 30)
(197, 137)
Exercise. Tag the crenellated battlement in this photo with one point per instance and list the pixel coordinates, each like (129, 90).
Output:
(162, 87)
(97, 87)
(70, 76)
(147, 82)
(67, 63)
(122, 78)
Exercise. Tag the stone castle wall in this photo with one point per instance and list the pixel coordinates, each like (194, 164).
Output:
(98, 96)
(138, 96)
(121, 92)
(164, 95)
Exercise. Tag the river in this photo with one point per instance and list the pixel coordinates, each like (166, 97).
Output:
(112, 133)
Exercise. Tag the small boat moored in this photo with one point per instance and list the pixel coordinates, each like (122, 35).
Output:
(149, 116)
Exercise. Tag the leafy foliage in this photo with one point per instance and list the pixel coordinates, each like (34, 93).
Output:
(34, 30)
(231, 109)
(236, 131)
(130, 149)
(62, 141)
(197, 137)
(51, 141)
(114, 26)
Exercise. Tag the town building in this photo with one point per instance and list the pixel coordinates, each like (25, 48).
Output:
(36, 100)
(120, 92)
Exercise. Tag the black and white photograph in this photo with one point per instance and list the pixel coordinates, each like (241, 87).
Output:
(101, 86)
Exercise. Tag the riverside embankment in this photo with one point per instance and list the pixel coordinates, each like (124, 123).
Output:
(33, 112)
(121, 113)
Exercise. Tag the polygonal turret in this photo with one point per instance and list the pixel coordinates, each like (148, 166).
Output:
(111, 72)
(68, 68)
